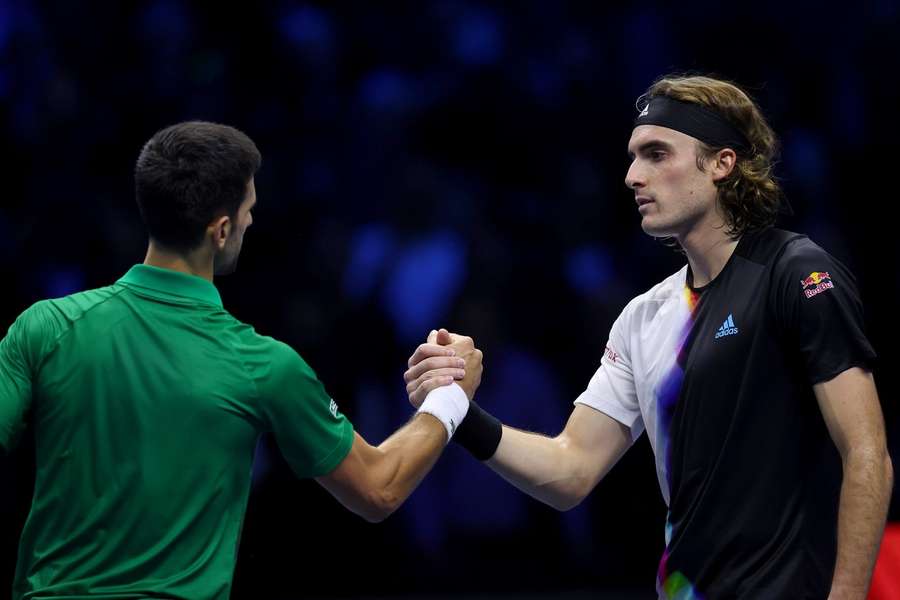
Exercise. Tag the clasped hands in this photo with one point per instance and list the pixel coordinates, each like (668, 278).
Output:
(444, 358)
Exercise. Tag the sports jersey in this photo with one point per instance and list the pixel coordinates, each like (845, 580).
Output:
(721, 379)
(147, 399)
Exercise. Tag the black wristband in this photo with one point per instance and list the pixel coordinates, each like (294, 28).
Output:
(479, 432)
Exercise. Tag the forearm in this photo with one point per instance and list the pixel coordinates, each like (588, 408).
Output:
(540, 466)
(409, 454)
(400, 462)
(865, 494)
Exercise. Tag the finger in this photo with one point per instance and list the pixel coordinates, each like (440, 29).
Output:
(418, 397)
(428, 350)
(429, 364)
(461, 341)
(456, 374)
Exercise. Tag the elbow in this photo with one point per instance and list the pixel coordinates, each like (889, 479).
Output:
(567, 499)
(379, 506)
(567, 504)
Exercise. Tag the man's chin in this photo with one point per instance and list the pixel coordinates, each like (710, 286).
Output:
(655, 229)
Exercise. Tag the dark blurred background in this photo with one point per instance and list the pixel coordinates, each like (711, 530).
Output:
(427, 164)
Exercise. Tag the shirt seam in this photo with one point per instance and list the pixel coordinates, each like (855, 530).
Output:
(240, 359)
(188, 300)
(58, 339)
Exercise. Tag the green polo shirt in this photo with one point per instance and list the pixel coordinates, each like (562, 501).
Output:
(147, 399)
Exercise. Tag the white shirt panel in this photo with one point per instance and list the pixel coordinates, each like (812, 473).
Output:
(640, 355)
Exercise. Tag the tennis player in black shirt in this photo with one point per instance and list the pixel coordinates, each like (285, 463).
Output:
(748, 368)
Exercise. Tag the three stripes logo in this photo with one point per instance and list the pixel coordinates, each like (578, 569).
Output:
(727, 328)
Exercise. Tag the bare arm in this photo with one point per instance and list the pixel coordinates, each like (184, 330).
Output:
(562, 470)
(849, 404)
(374, 481)
(558, 471)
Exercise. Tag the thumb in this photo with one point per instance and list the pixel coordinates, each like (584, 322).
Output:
(443, 337)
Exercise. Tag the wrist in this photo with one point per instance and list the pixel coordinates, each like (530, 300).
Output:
(480, 433)
(449, 405)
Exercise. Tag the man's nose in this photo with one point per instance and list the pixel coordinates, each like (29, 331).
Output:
(633, 178)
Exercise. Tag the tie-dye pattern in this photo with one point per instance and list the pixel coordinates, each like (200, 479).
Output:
(674, 586)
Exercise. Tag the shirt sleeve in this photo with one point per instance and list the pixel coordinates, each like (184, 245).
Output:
(611, 390)
(21, 353)
(818, 309)
(312, 434)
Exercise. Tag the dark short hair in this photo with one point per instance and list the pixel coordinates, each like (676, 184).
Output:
(189, 174)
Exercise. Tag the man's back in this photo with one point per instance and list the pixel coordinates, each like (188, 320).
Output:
(147, 399)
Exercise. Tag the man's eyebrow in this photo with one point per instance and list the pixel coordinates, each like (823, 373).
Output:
(649, 147)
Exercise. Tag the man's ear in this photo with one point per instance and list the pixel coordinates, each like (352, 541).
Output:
(722, 164)
(219, 230)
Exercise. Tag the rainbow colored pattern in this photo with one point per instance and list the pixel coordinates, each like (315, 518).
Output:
(674, 586)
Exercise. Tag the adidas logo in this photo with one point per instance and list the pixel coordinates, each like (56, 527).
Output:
(727, 328)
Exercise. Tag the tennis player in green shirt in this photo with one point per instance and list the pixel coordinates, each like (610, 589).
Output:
(147, 398)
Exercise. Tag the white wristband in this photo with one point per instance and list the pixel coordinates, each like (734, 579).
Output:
(449, 404)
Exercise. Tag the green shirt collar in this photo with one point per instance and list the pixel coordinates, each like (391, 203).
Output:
(172, 283)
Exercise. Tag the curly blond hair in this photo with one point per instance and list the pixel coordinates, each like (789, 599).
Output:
(749, 196)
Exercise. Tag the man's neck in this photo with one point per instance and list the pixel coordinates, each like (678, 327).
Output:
(197, 263)
(708, 250)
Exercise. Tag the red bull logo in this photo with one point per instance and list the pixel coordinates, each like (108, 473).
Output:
(816, 283)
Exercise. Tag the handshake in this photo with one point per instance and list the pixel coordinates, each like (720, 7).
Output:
(444, 358)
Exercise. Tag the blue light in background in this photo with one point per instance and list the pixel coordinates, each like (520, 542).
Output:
(466, 496)
(848, 105)
(376, 410)
(262, 461)
(477, 39)
(423, 284)
(545, 81)
(306, 26)
(523, 391)
(648, 32)
(884, 10)
(166, 21)
(309, 30)
(387, 90)
(61, 281)
(316, 175)
(589, 269)
(807, 164)
(370, 248)
(5, 23)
